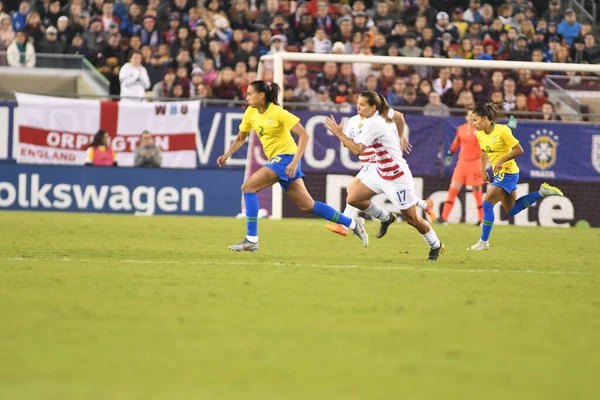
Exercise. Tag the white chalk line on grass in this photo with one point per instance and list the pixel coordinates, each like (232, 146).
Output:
(327, 266)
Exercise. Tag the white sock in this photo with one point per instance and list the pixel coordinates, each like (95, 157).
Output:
(350, 211)
(253, 239)
(432, 239)
(421, 203)
(352, 224)
(377, 212)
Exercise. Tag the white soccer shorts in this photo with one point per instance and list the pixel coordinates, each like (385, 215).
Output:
(400, 191)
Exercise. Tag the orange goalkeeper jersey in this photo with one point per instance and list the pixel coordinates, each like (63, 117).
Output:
(466, 139)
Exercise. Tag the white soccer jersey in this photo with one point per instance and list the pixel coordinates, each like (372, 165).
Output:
(354, 126)
(383, 138)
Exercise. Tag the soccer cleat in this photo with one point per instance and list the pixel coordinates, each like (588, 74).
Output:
(478, 223)
(383, 228)
(429, 210)
(547, 190)
(480, 245)
(435, 253)
(441, 221)
(339, 229)
(359, 230)
(244, 245)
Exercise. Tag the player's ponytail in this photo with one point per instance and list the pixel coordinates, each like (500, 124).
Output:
(489, 111)
(384, 109)
(271, 91)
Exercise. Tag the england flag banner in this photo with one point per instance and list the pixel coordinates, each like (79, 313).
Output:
(54, 130)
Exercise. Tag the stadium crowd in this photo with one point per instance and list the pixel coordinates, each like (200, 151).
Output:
(210, 48)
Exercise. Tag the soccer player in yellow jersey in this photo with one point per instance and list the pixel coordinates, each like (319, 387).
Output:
(498, 144)
(273, 125)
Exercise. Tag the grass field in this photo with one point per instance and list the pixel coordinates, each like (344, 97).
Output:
(124, 307)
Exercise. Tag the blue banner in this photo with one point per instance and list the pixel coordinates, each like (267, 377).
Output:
(120, 190)
(553, 150)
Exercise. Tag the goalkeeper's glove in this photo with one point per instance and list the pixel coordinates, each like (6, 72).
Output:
(448, 159)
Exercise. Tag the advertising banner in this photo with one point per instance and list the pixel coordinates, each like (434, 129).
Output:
(577, 205)
(54, 130)
(139, 191)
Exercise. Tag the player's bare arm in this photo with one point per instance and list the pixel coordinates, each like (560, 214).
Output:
(514, 153)
(400, 122)
(299, 130)
(335, 128)
(235, 146)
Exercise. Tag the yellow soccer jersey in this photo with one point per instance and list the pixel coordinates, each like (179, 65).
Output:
(273, 129)
(498, 144)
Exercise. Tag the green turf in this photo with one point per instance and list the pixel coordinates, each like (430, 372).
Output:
(124, 307)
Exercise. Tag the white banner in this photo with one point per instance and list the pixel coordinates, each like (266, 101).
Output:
(54, 130)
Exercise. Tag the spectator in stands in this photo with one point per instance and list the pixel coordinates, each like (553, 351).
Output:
(521, 106)
(569, 27)
(147, 154)
(94, 36)
(265, 18)
(395, 95)
(322, 43)
(424, 89)
(322, 101)
(562, 56)
(64, 32)
(553, 31)
(33, 27)
(50, 45)
(435, 108)
(474, 33)
(100, 153)
(344, 35)
(549, 112)
(509, 87)
(422, 8)
(443, 83)
(361, 22)
(221, 30)
(592, 50)
(3, 12)
(472, 14)
(225, 87)
(78, 46)
(219, 57)
(134, 78)
(204, 91)
(554, 13)
(466, 100)
(239, 16)
(521, 52)
(410, 48)
(21, 52)
(536, 99)
(409, 99)
(479, 91)
(578, 51)
(150, 35)
(328, 77)
(7, 34)
(303, 92)
(19, 16)
(132, 22)
(164, 87)
(497, 97)
(451, 96)
(383, 19)
(209, 73)
(443, 25)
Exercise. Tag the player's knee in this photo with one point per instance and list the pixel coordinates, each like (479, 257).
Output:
(306, 206)
(246, 188)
